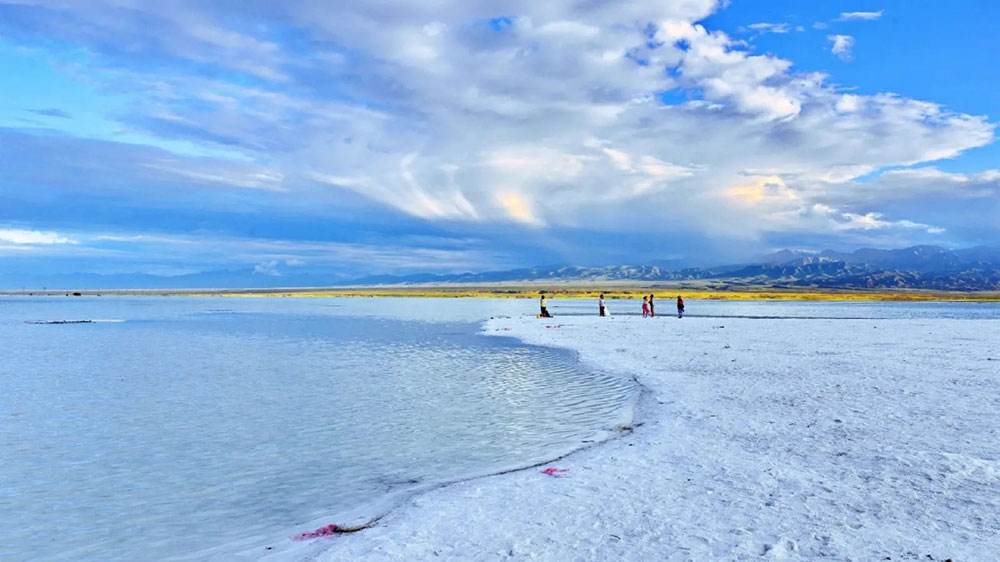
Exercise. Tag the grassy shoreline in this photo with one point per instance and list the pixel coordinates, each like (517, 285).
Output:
(611, 291)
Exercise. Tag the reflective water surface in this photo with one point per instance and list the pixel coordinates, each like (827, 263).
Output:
(171, 426)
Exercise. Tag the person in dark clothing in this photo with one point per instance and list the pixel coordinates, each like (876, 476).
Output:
(680, 307)
(652, 309)
(600, 305)
(545, 310)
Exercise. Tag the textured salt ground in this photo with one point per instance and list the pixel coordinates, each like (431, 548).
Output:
(763, 439)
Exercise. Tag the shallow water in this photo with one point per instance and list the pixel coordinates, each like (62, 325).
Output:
(176, 426)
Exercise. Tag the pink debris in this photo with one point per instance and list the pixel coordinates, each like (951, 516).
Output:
(326, 531)
(553, 471)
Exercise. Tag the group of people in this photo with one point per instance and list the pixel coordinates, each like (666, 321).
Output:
(648, 307)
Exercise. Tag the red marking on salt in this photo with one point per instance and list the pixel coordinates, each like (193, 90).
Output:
(326, 531)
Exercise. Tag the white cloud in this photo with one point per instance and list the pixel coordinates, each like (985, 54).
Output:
(269, 268)
(556, 119)
(842, 46)
(853, 16)
(874, 221)
(770, 27)
(267, 256)
(911, 183)
(32, 237)
(931, 174)
(256, 179)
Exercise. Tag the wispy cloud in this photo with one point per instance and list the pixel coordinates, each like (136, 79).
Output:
(770, 27)
(269, 268)
(51, 112)
(272, 256)
(875, 221)
(32, 237)
(854, 16)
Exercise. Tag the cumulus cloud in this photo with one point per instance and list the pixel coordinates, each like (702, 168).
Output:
(537, 115)
(842, 46)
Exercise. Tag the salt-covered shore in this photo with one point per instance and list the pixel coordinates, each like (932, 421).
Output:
(784, 439)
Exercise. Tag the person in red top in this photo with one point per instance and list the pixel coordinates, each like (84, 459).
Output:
(680, 307)
(645, 306)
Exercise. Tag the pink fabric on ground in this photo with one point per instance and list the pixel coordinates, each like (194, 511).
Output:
(326, 531)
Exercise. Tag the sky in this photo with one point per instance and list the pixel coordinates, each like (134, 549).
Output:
(341, 139)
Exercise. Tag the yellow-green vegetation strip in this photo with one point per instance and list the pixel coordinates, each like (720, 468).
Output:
(612, 293)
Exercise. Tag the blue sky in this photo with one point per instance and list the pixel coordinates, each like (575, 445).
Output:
(323, 141)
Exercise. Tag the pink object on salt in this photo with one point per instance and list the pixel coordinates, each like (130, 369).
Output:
(326, 531)
(553, 471)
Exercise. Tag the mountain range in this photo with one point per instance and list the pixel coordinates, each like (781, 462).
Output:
(916, 267)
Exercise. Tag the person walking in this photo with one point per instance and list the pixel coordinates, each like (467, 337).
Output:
(545, 310)
(645, 306)
(652, 309)
(680, 307)
(600, 305)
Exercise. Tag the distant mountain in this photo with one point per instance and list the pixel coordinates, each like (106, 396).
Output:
(549, 273)
(787, 256)
(917, 258)
(917, 267)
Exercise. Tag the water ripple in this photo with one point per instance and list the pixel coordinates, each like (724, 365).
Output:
(167, 436)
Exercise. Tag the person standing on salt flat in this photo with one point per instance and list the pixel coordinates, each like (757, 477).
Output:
(600, 305)
(652, 309)
(680, 307)
(645, 306)
(545, 310)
